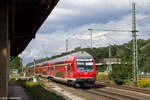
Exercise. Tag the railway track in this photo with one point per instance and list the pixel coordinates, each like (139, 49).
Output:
(106, 92)
(141, 90)
(104, 96)
(115, 94)
(111, 95)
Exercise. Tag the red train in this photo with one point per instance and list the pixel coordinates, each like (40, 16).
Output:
(76, 69)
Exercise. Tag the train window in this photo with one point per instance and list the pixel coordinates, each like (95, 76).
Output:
(48, 68)
(69, 67)
(54, 68)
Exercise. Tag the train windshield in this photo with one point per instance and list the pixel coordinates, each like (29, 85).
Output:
(84, 66)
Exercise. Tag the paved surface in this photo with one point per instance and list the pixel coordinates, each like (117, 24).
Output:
(16, 92)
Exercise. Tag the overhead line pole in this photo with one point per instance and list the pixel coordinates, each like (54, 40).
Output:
(34, 78)
(34, 66)
(134, 38)
(66, 45)
(91, 40)
(110, 59)
(91, 37)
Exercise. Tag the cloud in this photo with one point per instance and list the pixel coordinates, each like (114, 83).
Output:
(57, 16)
(75, 13)
(70, 14)
(71, 19)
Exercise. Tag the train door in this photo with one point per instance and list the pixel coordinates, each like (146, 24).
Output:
(70, 70)
(54, 70)
(49, 70)
(66, 74)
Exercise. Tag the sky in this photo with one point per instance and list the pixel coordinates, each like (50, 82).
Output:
(71, 20)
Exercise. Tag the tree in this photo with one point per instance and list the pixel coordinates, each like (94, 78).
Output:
(16, 63)
(121, 73)
(77, 49)
(147, 65)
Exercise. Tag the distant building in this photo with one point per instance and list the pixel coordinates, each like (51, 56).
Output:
(106, 61)
(113, 61)
(109, 63)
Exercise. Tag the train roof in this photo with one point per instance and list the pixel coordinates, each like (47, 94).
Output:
(81, 55)
(77, 55)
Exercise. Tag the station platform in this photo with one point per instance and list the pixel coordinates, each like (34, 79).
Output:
(16, 92)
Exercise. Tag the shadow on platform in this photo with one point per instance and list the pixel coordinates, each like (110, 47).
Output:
(16, 92)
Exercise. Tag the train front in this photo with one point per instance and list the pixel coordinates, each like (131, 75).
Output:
(85, 71)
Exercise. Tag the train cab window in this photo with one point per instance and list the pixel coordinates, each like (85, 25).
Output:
(84, 66)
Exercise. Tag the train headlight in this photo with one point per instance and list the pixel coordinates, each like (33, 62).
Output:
(78, 76)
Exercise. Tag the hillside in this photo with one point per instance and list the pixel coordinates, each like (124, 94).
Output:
(123, 51)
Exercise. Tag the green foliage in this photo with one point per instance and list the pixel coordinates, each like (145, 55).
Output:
(144, 83)
(77, 49)
(11, 77)
(102, 76)
(147, 65)
(100, 68)
(121, 74)
(37, 92)
(16, 63)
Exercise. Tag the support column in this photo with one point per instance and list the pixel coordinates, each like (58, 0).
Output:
(3, 48)
(110, 59)
(134, 38)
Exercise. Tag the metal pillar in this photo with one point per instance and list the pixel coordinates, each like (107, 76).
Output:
(34, 66)
(91, 37)
(66, 45)
(110, 59)
(135, 56)
(34, 78)
(4, 48)
(91, 40)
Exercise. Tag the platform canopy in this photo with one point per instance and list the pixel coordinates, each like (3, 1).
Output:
(25, 18)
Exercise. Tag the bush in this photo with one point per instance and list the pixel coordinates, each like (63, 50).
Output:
(121, 74)
(102, 76)
(100, 68)
(144, 83)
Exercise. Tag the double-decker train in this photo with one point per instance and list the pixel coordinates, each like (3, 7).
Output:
(76, 69)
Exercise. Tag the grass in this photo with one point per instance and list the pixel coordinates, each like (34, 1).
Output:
(11, 77)
(37, 92)
(102, 76)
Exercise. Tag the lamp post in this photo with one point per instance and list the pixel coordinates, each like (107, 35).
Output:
(91, 36)
(66, 45)
(110, 59)
(34, 78)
